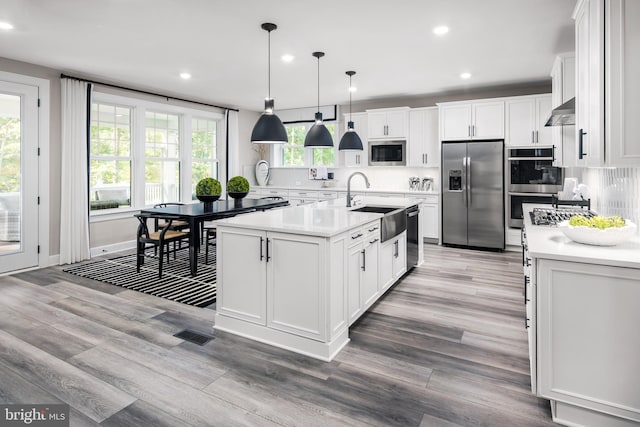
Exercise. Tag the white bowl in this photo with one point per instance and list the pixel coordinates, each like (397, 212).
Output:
(594, 236)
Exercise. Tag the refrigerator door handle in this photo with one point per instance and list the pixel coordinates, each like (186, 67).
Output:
(464, 187)
(469, 179)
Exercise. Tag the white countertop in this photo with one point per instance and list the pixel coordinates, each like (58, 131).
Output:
(324, 219)
(344, 189)
(550, 243)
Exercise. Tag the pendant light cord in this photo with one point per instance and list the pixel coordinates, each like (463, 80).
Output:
(269, 67)
(318, 84)
(350, 98)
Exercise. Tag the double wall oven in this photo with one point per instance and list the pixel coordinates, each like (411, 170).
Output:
(532, 178)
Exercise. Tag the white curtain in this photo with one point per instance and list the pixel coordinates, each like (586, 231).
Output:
(234, 144)
(74, 199)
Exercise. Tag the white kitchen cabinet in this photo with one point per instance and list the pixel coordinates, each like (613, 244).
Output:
(588, 345)
(525, 121)
(563, 88)
(362, 266)
(423, 137)
(269, 280)
(607, 42)
(302, 197)
(388, 123)
(430, 207)
(244, 274)
(357, 158)
(392, 261)
(471, 120)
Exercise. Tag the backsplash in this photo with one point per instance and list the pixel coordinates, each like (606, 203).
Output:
(381, 178)
(614, 191)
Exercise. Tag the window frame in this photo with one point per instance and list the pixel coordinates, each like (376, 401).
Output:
(277, 152)
(137, 151)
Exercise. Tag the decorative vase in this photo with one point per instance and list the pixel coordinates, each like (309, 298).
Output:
(241, 195)
(208, 198)
(262, 172)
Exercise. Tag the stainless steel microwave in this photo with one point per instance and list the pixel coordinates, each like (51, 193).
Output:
(388, 153)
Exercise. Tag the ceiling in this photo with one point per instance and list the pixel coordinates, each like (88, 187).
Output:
(390, 44)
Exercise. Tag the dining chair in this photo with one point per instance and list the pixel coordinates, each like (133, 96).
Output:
(158, 239)
(176, 224)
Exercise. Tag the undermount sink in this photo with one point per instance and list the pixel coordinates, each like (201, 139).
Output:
(392, 223)
(375, 209)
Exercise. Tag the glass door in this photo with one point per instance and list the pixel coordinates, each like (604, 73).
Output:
(18, 176)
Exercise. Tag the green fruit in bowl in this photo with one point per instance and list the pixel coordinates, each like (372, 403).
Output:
(600, 222)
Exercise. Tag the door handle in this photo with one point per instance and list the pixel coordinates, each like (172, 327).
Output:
(469, 130)
(364, 262)
(537, 137)
(464, 186)
(533, 136)
(267, 245)
(581, 134)
(397, 249)
(469, 178)
(261, 254)
(473, 130)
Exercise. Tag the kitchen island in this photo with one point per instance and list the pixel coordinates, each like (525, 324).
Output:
(582, 317)
(297, 277)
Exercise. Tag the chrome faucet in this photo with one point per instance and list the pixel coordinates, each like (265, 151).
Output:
(366, 181)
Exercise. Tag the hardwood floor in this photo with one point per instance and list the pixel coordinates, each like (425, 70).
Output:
(445, 347)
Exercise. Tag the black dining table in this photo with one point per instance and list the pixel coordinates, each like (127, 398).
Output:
(196, 213)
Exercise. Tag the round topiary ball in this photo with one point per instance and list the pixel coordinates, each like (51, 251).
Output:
(208, 187)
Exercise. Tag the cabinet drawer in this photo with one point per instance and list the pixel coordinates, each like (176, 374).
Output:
(280, 193)
(371, 228)
(431, 199)
(327, 195)
(309, 194)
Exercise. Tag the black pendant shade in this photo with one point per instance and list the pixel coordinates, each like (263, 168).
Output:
(350, 140)
(318, 135)
(269, 128)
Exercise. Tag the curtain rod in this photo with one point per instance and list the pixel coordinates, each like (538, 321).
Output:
(65, 76)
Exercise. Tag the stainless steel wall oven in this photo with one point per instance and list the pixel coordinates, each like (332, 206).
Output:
(532, 178)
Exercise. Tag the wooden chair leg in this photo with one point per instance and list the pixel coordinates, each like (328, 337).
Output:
(160, 260)
(139, 256)
(206, 249)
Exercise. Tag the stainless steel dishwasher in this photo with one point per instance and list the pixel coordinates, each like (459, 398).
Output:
(412, 236)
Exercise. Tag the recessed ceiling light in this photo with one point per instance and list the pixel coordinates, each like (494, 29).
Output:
(287, 58)
(465, 75)
(441, 30)
(5, 26)
(353, 89)
(185, 76)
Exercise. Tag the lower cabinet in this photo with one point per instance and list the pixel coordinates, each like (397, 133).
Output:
(276, 280)
(362, 270)
(392, 261)
(588, 347)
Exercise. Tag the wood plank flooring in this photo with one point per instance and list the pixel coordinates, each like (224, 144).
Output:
(445, 347)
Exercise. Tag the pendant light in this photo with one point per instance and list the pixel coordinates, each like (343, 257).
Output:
(269, 129)
(318, 135)
(350, 140)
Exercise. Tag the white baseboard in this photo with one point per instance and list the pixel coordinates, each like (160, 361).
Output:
(116, 247)
(53, 260)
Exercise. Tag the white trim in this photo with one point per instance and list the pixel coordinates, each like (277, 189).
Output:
(115, 247)
(43, 86)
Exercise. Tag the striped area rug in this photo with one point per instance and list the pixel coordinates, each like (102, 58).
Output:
(176, 283)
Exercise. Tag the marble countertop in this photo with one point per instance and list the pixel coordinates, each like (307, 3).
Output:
(550, 243)
(344, 189)
(323, 219)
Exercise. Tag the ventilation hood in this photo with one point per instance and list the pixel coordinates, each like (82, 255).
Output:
(565, 114)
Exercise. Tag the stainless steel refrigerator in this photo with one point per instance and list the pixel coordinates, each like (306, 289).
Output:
(473, 193)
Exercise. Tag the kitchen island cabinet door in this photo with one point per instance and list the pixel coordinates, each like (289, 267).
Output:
(354, 267)
(588, 342)
(296, 274)
(243, 273)
(369, 275)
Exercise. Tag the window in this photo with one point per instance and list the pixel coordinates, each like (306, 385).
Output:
(110, 156)
(293, 154)
(143, 153)
(203, 151)
(162, 158)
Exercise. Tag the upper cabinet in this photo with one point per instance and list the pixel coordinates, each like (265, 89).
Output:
(388, 123)
(563, 88)
(607, 87)
(423, 137)
(525, 120)
(477, 120)
(356, 158)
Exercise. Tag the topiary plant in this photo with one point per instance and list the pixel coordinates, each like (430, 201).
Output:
(208, 187)
(238, 184)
